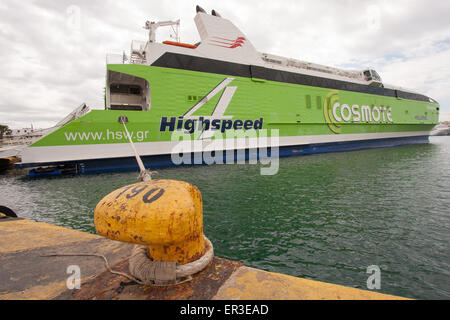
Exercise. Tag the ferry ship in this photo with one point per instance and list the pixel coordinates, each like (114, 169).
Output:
(222, 84)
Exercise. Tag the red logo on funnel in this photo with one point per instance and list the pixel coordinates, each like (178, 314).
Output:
(227, 43)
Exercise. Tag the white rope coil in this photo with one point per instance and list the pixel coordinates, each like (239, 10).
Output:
(159, 273)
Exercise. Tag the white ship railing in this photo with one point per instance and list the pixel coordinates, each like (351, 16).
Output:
(137, 55)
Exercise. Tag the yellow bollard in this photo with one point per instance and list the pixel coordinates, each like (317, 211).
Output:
(164, 215)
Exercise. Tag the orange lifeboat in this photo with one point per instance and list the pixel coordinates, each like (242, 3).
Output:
(180, 44)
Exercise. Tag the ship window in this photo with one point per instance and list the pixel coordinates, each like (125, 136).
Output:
(191, 98)
(126, 107)
(308, 101)
(125, 89)
(118, 89)
(319, 102)
(135, 90)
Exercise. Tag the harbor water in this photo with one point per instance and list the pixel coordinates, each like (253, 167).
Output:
(325, 217)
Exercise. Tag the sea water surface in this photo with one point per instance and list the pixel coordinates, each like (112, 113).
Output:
(324, 217)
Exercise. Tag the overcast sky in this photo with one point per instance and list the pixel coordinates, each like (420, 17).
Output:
(53, 52)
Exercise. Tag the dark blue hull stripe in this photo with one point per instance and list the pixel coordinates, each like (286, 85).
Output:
(160, 161)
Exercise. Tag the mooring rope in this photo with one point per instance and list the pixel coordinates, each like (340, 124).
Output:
(158, 273)
(146, 271)
(130, 277)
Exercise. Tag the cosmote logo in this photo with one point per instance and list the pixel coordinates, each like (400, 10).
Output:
(335, 113)
(227, 43)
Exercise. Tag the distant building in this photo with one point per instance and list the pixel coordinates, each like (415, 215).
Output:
(24, 132)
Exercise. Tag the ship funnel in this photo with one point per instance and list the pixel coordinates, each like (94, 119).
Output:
(221, 39)
(200, 9)
(215, 13)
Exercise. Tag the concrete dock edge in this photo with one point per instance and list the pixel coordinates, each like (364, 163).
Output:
(27, 272)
